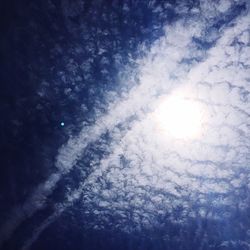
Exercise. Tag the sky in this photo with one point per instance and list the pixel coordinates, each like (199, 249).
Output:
(118, 171)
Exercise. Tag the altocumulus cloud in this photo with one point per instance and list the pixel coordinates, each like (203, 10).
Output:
(145, 175)
(152, 173)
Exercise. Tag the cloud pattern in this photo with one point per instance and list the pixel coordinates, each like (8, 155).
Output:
(143, 179)
(151, 173)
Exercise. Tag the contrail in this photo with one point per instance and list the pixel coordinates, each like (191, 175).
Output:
(59, 209)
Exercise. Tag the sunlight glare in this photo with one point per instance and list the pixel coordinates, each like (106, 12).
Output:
(179, 117)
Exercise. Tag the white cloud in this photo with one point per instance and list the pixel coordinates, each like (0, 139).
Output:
(147, 172)
(200, 167)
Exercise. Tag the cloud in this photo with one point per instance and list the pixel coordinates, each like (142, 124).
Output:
(149, 173)
(146, 173)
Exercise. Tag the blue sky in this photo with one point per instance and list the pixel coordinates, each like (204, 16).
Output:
(132, 177)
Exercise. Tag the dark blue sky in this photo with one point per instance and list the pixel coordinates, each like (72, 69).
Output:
(105, 180)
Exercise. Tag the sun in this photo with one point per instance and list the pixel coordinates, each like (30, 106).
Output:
(179, 117)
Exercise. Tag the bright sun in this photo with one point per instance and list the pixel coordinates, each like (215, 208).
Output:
(179, 117)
